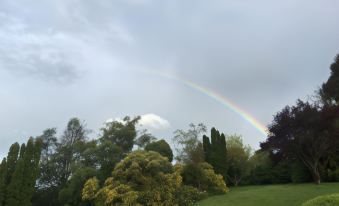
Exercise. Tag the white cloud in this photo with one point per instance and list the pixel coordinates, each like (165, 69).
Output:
(153, 121)
(149, 121)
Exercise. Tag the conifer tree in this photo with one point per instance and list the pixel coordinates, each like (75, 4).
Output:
(215, 151)
(12, 158)
(31, 163)
(21, 186)
(3, 167)
(14, 188)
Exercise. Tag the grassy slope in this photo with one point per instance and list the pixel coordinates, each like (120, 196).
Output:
(277, 195)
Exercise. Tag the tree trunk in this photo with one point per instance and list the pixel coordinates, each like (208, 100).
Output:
(316, 176)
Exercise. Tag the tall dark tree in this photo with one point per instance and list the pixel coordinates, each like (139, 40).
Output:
(21, 187)
(300, 132)
(215, 151)
(330, 89)
(12, 158)
(13, 196)
(3, 167)
(8, 168)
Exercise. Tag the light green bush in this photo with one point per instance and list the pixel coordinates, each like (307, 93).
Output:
(326, 200)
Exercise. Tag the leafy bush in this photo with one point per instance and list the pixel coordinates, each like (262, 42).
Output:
(203, 177)
(187, 195)
(142, 178)
(326, 200)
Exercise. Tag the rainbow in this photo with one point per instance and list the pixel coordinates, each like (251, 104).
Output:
(219, 98)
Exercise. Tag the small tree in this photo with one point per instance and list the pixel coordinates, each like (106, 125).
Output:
(203, 177)
(189, 145)
(237, 159)
(142, 178)
(162, 147)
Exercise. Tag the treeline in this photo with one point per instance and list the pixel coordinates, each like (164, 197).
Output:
(18, 173)
(125, 166)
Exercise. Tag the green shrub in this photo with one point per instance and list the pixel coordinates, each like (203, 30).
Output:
(188, 195)
(203, 177)
(326, 200)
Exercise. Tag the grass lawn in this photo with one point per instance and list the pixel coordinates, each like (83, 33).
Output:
(279, 195)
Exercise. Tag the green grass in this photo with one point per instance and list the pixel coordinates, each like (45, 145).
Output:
(276, 195)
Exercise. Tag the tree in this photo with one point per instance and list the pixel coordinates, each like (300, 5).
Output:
(162, 147)
(215, 151)
(3, 168)
(330, 89)
(21, 187)
(203, 177)
(12, 159)
(8, 167)
(59, 160)
(16, 184)
(144, 139)
(74, 134)
(260, 168)
(71, 193)
(107, 155)
(238, 156)
(189, 146)
(121, 133)
(300, 132)
(142, 178)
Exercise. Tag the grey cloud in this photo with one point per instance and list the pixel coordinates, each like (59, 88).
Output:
(252, 52)
(23, 52)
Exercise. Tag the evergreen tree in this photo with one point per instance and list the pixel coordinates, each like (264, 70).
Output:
(215, 151)
(31, 164)
(21, 187)
(330, 89)
(207, 148)
(12, 158)
(9, 168)
(15, 186)
(3, 167)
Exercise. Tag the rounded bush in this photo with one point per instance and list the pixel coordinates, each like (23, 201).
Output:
(326, 200)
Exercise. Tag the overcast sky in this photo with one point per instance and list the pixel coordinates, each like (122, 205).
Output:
(89, 59)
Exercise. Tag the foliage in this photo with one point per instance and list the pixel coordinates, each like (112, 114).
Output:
(238, 156)
(71, 193)
(330, 89)
(260, 168)
(300, 132)
(326, 200)
(20, 188)
(144, 178)
(162, 147)
(189, 146)
(187, 195)
(3, 168)
(215, 152)
(203, 177)
(121, 133)
(144, 139)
